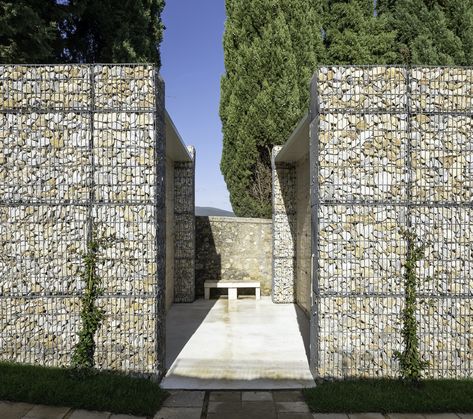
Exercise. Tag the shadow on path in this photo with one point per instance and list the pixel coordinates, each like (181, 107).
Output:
(182, 321)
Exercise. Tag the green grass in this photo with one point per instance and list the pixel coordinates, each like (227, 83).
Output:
(354, 396)
(105, 391)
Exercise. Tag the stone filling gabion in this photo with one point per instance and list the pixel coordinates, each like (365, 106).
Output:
(79, 149)
(395, 152)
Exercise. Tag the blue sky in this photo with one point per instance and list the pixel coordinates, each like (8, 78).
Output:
(192, 64)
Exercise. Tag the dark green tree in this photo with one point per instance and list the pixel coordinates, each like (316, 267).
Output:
(28, 31)
(48, 31)
(271, 49)
(355, 34)
(460, 17)
(112, 31)
(431, 32)
(304, 25)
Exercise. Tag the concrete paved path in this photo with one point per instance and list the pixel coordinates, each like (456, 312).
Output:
(243, 344)
(9, 410)
(262, 405)
(215, 405)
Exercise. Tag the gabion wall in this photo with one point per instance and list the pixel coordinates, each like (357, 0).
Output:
(82, 154)
(291, 280)
(184, 230)
(391, 149)
(284, 230)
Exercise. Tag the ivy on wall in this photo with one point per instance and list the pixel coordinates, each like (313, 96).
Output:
(410, 359)
(91, 315)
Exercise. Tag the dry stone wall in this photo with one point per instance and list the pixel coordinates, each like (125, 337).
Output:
(233, 249)
(82, 155)
(393, 149)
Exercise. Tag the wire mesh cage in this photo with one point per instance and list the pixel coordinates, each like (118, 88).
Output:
(81, 160)
(394, 155)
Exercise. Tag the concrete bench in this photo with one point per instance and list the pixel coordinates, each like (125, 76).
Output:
(232, 287)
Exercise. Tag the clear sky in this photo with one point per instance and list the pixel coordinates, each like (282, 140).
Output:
(192, 64)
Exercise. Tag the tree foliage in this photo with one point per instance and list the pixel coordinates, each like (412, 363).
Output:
(111, 31)
(84, 31)
(355, 35)
(29, 31)
(431, 32)
(271, 48)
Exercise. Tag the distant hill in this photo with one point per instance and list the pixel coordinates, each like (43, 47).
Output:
(209, 211)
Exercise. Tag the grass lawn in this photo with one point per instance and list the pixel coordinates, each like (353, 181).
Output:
(104, 391)
(391, 396)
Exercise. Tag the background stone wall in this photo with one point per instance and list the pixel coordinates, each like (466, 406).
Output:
(81, 154)
(235, 249)
(394, 150)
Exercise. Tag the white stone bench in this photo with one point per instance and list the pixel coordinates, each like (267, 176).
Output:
(232, 287)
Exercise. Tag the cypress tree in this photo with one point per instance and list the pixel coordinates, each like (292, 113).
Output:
(28, 31)
(271, 49)
(460, 15)
(113, 31)
(431, 32)
(304, 22)
(355, 34)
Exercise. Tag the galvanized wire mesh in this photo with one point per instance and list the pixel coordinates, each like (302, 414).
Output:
(81, 158)
(394, 152)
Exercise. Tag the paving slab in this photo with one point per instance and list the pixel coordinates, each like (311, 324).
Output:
(292, 407)
(404, 416)
(368, 415)
(249, 410)
(245, 344)
(224, 406)
(263, 405)
(89, 414)
(256, 396)
(185, 399)
(120, 416)
(441, 416)
(225, 396)
(40, 411)
(330, 415)
(294, 416)
(465, 415)
(243, 414)
(12, 410)
(288, 396)
(179, 413)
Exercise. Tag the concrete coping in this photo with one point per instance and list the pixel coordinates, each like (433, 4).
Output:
(175, 147)
(297, 146)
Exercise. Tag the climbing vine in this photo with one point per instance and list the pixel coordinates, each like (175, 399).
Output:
(410, 360)
(91, 315)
